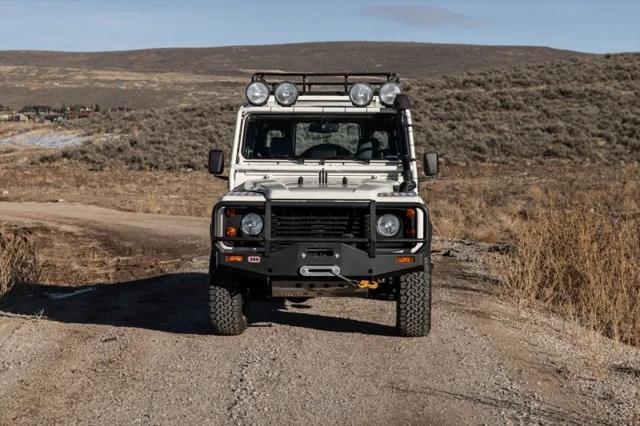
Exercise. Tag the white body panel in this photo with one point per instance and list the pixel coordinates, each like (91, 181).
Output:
(278, 179)
(259, 180)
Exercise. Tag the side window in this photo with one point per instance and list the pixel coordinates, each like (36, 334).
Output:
(250, 140)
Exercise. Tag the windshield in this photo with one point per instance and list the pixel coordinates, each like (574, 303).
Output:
(359, 137)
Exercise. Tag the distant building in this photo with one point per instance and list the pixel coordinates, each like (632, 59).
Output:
(80, 111)
(19, 117)
(41, 113)
(55, 117)
(36, 109)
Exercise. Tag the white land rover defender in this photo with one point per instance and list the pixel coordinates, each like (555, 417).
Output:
(323, 199)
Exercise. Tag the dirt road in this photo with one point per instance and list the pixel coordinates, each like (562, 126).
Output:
(141, 351)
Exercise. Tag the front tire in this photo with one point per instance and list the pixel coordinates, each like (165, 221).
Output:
(226, 305)
(413, 308)
(298, 300)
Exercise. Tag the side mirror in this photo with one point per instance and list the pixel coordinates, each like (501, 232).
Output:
(401, 102)
(431, 163)
(216, 161)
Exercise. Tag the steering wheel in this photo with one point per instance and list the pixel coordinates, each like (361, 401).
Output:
(316, 152)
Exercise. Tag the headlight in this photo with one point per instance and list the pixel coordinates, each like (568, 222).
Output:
(361, 94)
(251, 224)
(388, 93)
(286, 93)
(388, 225)
(257, 93)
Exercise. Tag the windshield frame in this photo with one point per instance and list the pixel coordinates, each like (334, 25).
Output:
(316, 115)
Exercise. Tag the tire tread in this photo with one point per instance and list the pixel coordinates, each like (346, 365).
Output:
(413, 310)
(226, 304)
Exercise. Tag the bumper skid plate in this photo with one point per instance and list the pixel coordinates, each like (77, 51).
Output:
(299, 288)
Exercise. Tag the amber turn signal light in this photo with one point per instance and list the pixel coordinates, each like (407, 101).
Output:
(405, 259)
(231, 231)
(233, 258)
(410, 213)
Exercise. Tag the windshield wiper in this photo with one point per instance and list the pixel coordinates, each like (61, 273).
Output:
(297, 160)
(349, 157)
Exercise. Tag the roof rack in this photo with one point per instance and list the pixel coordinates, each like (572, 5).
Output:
(340, 82)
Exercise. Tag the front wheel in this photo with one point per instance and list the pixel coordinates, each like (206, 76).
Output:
(226, 305)
(413, 309)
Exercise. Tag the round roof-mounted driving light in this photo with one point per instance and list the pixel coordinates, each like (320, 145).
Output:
(286, 93)
(361, 94)
(388, 93)
(257, 93)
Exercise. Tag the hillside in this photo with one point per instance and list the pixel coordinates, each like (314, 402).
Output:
(156, 78)
(408, 59)
(587, 110)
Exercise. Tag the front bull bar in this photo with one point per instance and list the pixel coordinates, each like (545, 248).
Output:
(267, 239)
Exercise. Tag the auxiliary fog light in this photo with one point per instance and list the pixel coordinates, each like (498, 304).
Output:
(361, 94)
(388, 93)
(286, 93)
(257, 93)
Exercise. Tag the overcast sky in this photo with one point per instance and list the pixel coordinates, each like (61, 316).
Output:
(584, 25)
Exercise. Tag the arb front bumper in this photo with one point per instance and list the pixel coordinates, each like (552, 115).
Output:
(311, 241)
(313, 260)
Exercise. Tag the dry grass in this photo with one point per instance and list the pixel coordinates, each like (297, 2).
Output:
(13, 128)
(488, 202)
(574, 234)
(19, 265)
(187, 194)
(472, 209)
(79, 258)
(582, 259)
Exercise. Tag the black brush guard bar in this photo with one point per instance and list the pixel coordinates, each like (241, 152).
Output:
(266, 239)
(305, 81)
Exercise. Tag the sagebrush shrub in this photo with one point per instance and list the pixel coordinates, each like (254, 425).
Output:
(585, 110)
(582, 262)
(19, 264)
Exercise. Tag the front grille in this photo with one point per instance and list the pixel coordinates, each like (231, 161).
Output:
(319, 222)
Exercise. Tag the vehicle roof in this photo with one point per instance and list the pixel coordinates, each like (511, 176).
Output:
(320, 103)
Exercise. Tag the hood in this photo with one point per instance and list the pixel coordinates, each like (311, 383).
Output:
(274, 189)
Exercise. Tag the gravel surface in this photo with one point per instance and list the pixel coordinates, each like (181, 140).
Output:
(44, 139)
(142, 352)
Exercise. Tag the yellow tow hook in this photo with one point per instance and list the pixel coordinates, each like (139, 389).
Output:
(368, 284)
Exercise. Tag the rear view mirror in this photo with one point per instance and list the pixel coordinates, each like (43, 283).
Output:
(216, 161)
(431, 163)
(323, 127)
